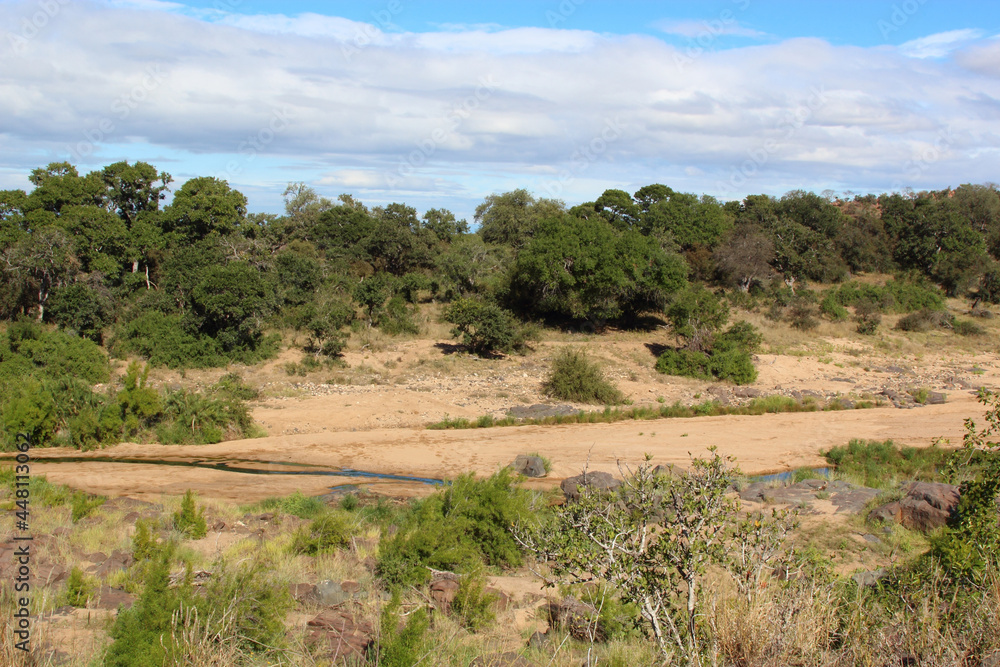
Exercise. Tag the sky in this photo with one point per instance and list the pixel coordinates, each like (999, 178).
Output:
(439, 104)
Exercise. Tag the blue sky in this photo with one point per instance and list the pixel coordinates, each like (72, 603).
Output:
(438, 104)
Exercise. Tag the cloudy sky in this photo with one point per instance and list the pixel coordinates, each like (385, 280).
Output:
(438, 104)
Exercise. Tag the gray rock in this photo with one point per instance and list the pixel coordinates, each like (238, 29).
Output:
(594, 481)
(935, 398)
(331, 593)
(869, 579)
(540, 411)
(538, 640)
(529, 466)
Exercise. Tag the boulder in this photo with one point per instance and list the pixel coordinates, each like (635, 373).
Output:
(340, 633)
(111, 599)
(579, 619)
(926, 505)
(331, 593)
(935, 398)
(594, 481)
(529, 466)
(443, 592)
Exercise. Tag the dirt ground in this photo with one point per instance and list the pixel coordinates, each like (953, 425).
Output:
(371, 415)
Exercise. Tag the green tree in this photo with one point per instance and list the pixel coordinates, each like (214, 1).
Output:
(696, 315)
(485, 327)
(205, 207)
(232, 302)
(511, 218)
(586, 270)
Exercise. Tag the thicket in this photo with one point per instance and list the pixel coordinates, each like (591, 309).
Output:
(461, 528)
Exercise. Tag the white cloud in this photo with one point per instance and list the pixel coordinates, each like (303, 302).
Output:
(940, 44)
(459, 113)
(708, 28)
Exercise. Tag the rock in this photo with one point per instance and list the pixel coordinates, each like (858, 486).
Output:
(529, 466)
(341, 633)
(540, 411)
(443, 593)
(593, 481)
(755, 492)
(853, 500)
(302, 592)
(500, 599)
(579, 619)
(219, 526)
(331, 593)
(747, 392)
(538, 640)
(118, 560)
(868, 579)
(111, 599)
(935, 398)
(926, 505)
(509, 659)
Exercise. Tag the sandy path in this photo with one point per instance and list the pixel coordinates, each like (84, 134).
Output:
(759, 443)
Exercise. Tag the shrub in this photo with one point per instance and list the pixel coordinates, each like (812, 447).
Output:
(246, 606)
(457, 529)
(575, 378)
(880, 464)
(867, 317)
(78, 588)
(925, 320)
(733, 364)
(398, 643)
(968, 328)
(742, 335)
(485, 327)
(83, 504)
(297, 504)
(472, 603)
(832, 308)
(189, 520)
(684, 363)
(398, 318)
(327, 533)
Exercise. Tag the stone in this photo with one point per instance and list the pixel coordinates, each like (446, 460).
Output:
(331, 593)
(529, 466)
(599, 481)
(853, 500)
(500, 599)
(579, 619)
(935, 398)
(443, 592)
(111, 599)
(538, 640)
(118, 560)
(340, 633)
(868, 579)
(926, 505)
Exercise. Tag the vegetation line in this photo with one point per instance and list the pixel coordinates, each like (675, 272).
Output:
(758, 406)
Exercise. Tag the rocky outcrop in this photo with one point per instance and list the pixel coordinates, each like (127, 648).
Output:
(339, 635)
(529, 466)
(926, 506)
(579, 619)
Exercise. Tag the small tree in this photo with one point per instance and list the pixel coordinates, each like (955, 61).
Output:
(485, 327)
(696, 314)
(653, 539)
(190, 520)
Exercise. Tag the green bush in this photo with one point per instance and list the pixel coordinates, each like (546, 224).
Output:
(485, 327)
(78, 588)
(473, 604)
(327, 533)
(684, 363)
(867, 317)
(735, 365)
(881, 464)
(189, 520)
(165, 340)
(245, 606)
(399, 644)
(297, 504)
(575, 378)
(398, 318)
(83, 504)
(456, 529)
(832, 308)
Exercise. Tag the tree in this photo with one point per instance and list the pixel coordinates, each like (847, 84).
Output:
(444, 226)
(744, 257)
(511, 218)
(586, 270)
(60, 184)
(652, 541)
(133, 189)
(41, 261)
(205, 207)
(231, 303)
(696, 314)
(485, 327)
